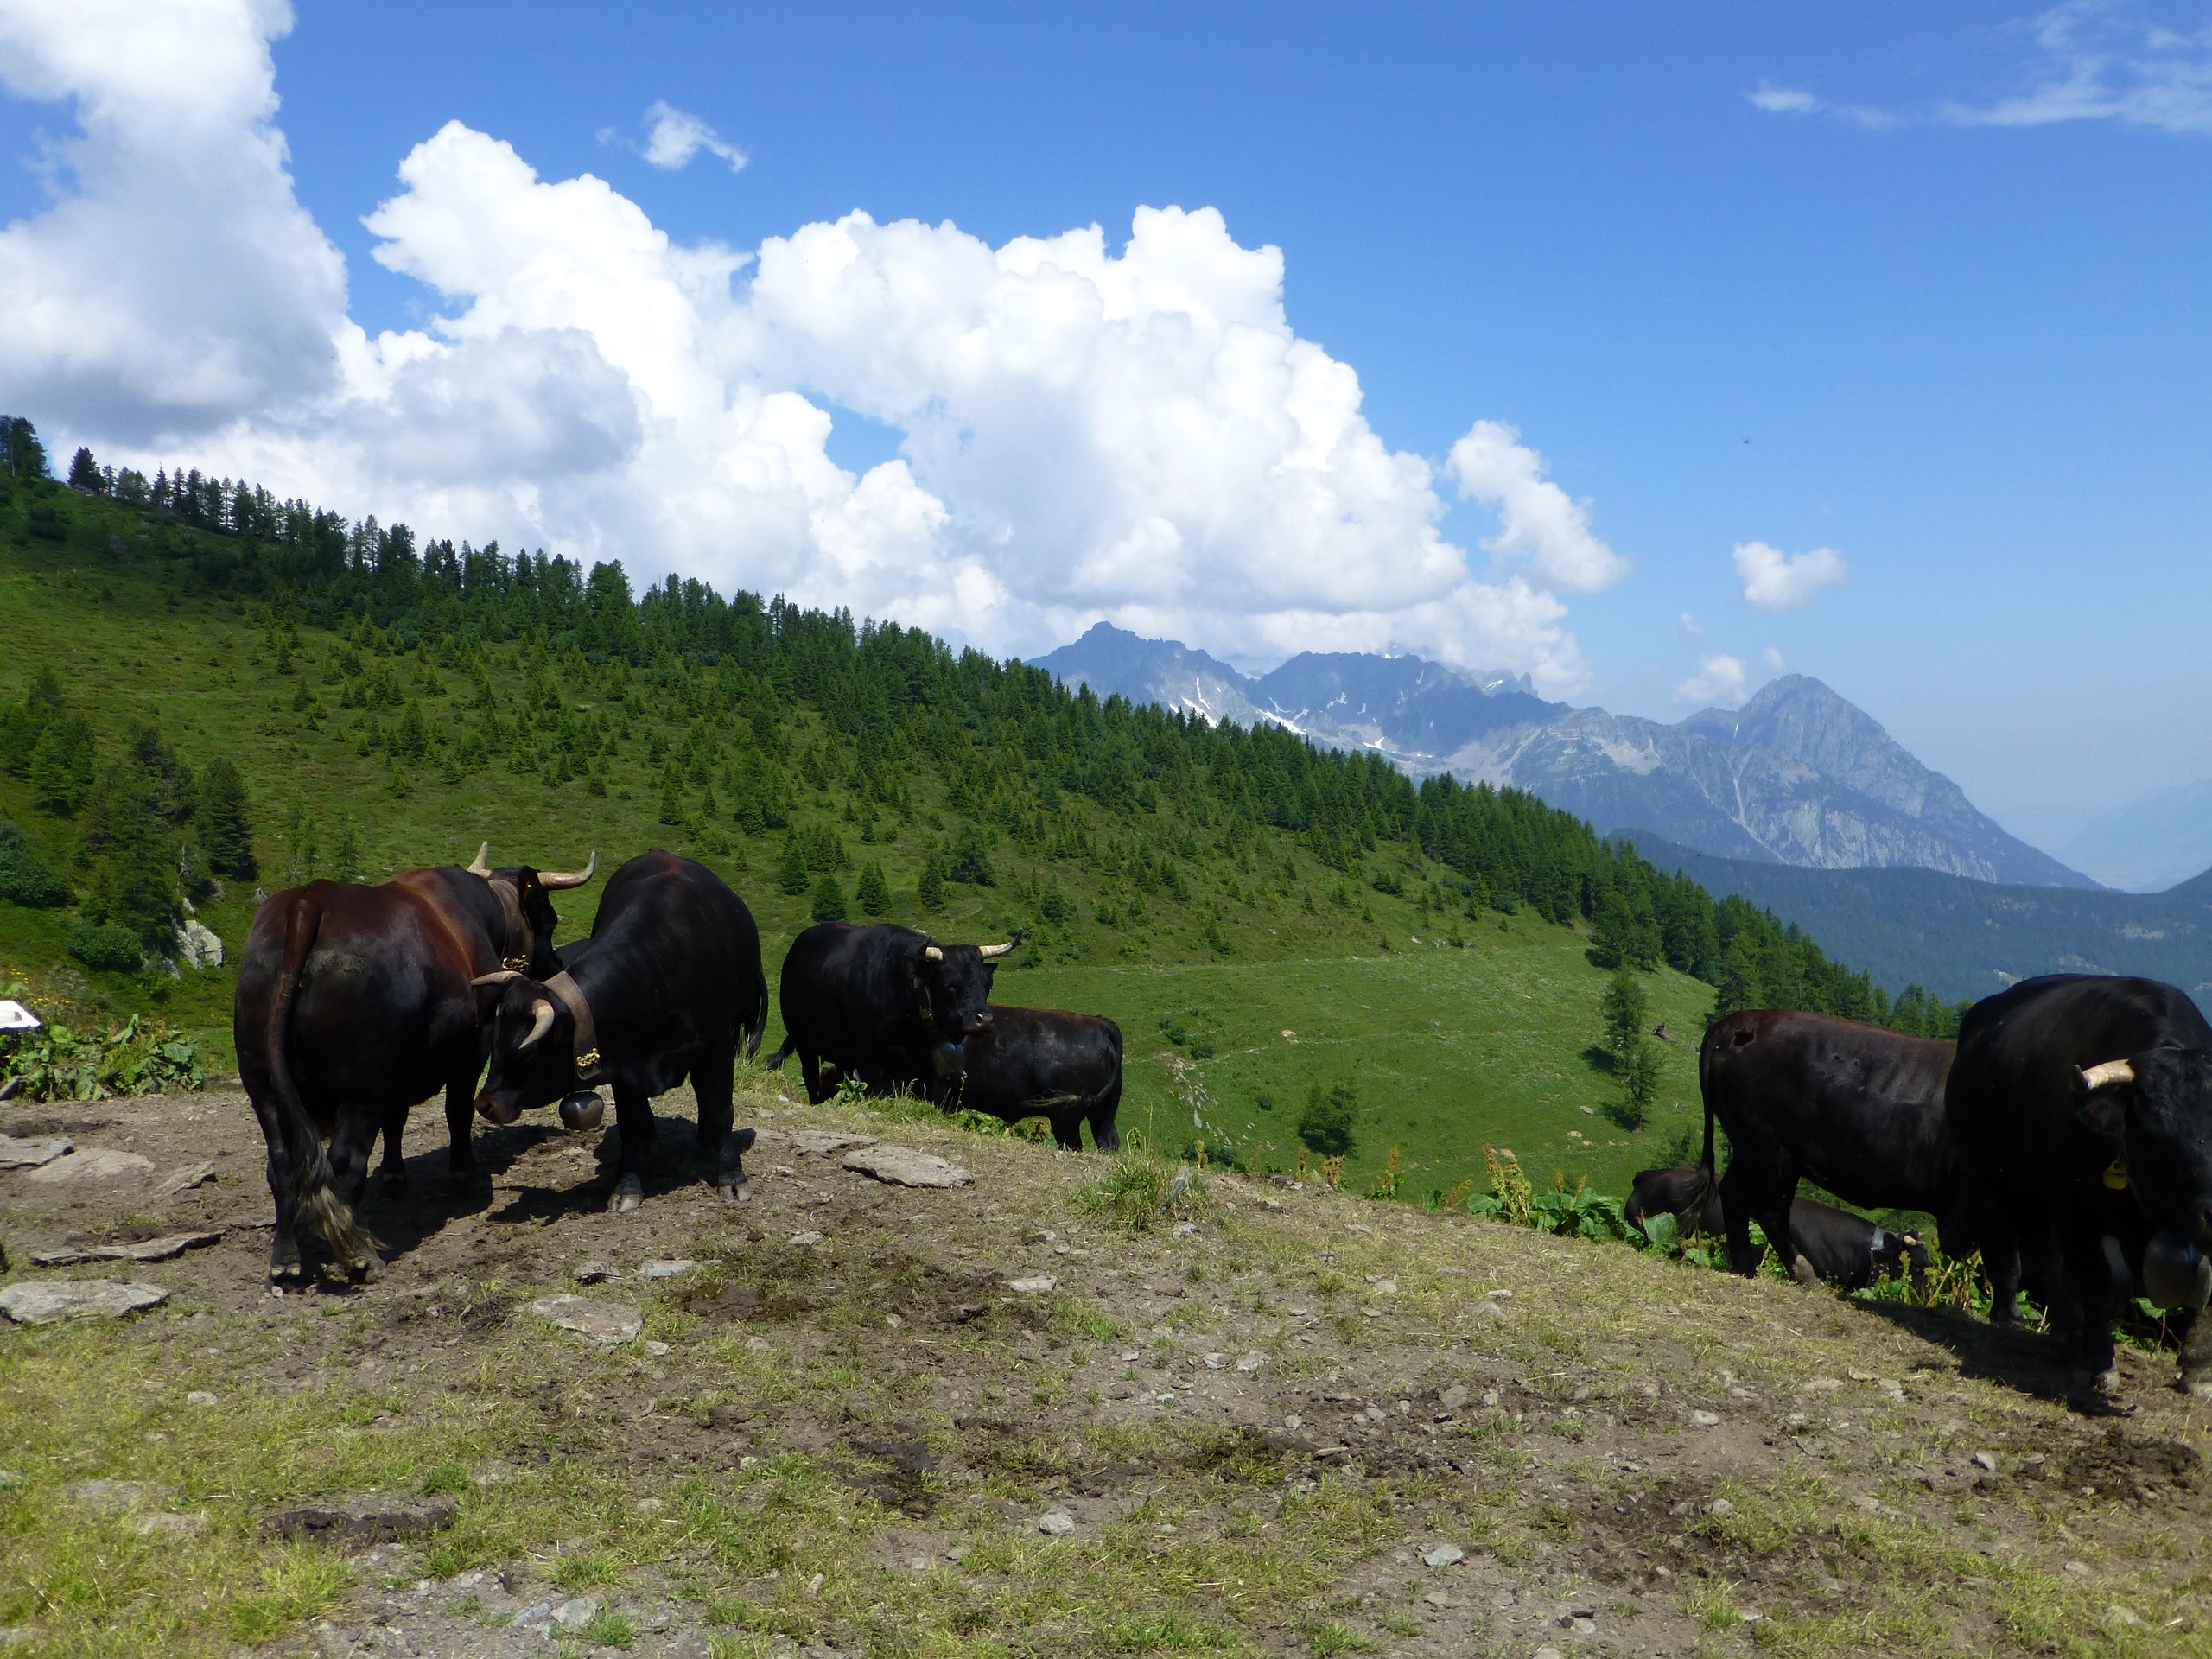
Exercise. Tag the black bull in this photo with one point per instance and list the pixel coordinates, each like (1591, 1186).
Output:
(2083, 1104)
(1838, 1247)
(1041, 1063)
(1855, 1108)
(352, 1003)
(885, 1004)
(668, 985)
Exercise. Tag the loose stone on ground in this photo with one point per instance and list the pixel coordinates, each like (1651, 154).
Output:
(606, 1323)
(48, 1301)
(904, 1166)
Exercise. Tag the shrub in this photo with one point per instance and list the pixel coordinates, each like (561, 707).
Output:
(26, 878)
(104, 946)
(874, 894)
(829, 900)
(1325, 1125)
(969, 858)
(790, 869)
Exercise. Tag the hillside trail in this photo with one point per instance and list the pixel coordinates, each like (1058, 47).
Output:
(854, 1417)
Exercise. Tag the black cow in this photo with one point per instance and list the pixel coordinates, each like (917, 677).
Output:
(2084, 1105)
(352, 1003)
(885, 1004)
(1854, 1109)
(1041, 1063)
(668, 984)
(1834, 1245)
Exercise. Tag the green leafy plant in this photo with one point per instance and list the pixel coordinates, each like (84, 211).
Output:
(56, 1062)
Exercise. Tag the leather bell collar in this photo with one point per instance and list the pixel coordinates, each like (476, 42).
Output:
(571, 997)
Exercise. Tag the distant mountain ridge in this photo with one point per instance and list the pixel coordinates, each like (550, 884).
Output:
(1964, 938)
(1797, 776)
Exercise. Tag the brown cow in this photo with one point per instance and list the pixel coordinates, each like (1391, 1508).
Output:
(354, 1003)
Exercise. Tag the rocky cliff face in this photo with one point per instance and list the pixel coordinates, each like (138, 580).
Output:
(1796, 776)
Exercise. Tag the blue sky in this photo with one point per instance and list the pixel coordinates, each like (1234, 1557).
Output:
(1969, 357)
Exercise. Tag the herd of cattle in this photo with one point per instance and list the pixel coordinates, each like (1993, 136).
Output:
(2067, 1135)
(354, 1003)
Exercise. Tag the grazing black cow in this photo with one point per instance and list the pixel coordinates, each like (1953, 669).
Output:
(668, 984)
(1688, 1195)
(1041, 1063)
(1855, 1108)
(1836, 1246)
(885, 1004)
(352, 1003)
(2084, 1106)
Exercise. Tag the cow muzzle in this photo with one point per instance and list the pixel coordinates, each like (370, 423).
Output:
(493, 1110)
(2176, 1274)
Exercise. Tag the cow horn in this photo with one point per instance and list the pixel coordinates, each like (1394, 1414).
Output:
(2107, 1072)
(559, 879)
(541, 1022)
(987, 951)
(477, 866)
(496, 976)
(933, 953)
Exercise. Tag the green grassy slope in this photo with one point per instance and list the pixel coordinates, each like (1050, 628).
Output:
(1449, 1049)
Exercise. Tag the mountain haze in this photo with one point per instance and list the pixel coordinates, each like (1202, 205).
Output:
(1798, 776)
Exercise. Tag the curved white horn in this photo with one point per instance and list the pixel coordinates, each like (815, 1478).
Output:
(541, 1022)
(2108, 1072)
(559, 879)
(496, 976)
(477, 866)
(933, 953)
(987, 951)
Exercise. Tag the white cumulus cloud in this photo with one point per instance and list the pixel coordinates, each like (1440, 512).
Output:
(676, 136)
(1783, 100)
(1088, 430)
(1537, 519)
(1716, 680)
(1776, 580)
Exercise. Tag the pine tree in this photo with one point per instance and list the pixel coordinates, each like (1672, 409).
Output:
(933, 888)
(790, 869)
(1325, 1125)
(85, 473)
(61, 765)
(1636, 1058)
(346, 852)
(671, 799)
(225, 834)
(829, 904)
(874, 893)
(134, 856)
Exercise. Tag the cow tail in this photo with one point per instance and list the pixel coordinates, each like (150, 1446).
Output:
(759, 1026)
(775, 1060)
(307, 1169)
(1705, 1062)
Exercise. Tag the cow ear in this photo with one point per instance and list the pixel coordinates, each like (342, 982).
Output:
(2102, 1112)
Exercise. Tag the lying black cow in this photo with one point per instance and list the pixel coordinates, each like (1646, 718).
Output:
(885, 1004)
(1854, 1109)
(1835, 1246)
(668, 984)
(352, 1003)
(2084, 1105)
(1041, 1063)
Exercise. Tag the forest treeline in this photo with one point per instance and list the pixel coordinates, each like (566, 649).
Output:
(745, 700)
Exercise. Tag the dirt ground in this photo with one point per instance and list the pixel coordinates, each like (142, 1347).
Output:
(852, 1418)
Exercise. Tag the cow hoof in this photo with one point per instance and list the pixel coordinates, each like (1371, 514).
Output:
(1804, 1272)
(366, 1272)
(738, 1194)
(394, 1183)
(629, 1194)
(2198, 1384)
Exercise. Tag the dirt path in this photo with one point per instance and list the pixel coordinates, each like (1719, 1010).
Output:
(857, 1417)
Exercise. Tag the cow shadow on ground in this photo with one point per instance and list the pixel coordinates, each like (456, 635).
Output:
(2027, 1362)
